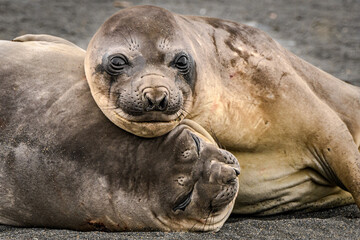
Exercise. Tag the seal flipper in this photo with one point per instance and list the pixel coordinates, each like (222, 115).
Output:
(43, 38)
(339, 160)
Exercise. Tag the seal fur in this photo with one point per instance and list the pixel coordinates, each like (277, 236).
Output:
(294, 128)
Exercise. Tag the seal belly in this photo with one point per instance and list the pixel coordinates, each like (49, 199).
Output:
(282, 182)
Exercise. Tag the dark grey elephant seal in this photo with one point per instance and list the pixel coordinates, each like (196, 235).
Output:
(294, 128)
(64, 165)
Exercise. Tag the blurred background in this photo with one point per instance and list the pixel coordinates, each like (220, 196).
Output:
(326, 33)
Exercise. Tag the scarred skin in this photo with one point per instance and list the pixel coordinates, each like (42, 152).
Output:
(63, 164)
(294, 128)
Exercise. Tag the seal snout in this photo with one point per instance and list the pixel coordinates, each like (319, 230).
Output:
(155, 99)
(226, 177)
(230, 175)
(222, 173)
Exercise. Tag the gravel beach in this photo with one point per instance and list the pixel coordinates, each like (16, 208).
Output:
(324, 33)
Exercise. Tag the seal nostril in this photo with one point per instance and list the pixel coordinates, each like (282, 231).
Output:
(155, 99)
(237, 171)
(148, 102)
(163, 103)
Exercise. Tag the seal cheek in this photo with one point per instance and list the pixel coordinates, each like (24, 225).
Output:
(227, 195)
(129, 102)
(176, 100)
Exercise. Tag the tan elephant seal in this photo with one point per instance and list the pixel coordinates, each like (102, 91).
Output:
(294, 128)
(63, 164)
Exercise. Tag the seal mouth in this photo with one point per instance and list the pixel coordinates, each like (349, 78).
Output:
(147, 129)
(151, 117)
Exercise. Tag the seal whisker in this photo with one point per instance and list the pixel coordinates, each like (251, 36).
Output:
(205, 224)
(191, 229)
(187, 113)
(178, 114)
(182, 114)
(128, 32)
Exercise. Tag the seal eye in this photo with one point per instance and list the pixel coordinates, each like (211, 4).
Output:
(117, 64)
(184, 202)
(182, 63)
(197, 142)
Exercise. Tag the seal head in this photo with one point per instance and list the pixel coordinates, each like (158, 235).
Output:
(143, 80)
(196, 184)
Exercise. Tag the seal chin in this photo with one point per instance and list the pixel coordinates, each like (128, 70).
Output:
(150, 116)
(147, 129)
(213, 222)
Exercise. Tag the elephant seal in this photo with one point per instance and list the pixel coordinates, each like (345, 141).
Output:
(63, 164)
(294, 128)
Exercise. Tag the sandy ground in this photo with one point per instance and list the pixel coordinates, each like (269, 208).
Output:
(325, 33)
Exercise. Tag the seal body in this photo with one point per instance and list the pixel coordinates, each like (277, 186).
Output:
(294, 128)
(64, 165)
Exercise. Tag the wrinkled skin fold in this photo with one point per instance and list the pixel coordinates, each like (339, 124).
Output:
(63, 164)
(294, 128)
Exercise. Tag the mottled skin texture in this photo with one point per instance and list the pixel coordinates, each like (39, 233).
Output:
(63, 164)
(294, 128)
